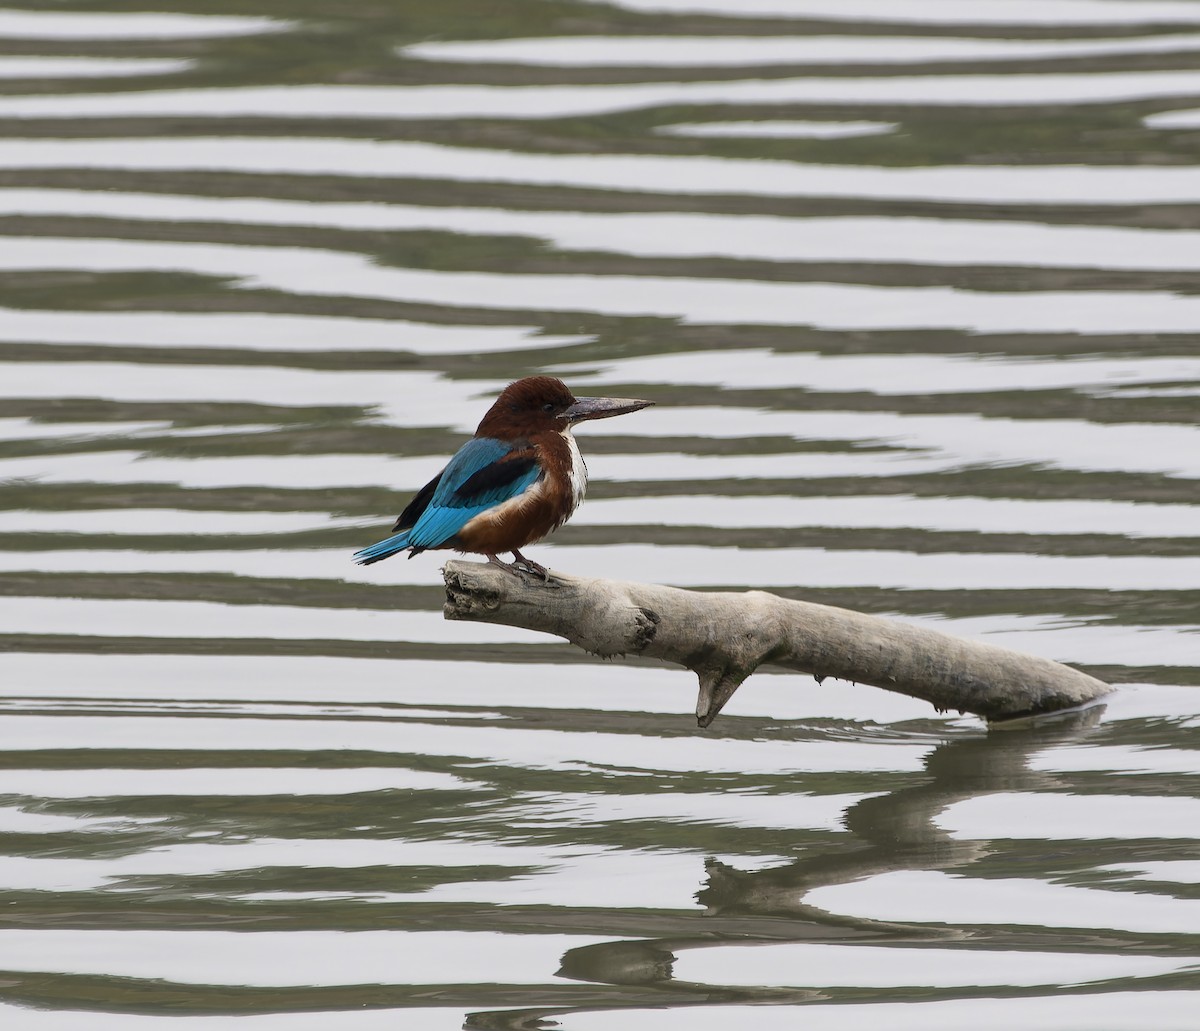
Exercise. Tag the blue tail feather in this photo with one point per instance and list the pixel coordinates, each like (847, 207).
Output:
(383, 549)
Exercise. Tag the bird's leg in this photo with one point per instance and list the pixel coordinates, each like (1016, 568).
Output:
(516, 568)
(528, 563)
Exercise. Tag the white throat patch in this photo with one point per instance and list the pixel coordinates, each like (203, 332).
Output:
(578, 471)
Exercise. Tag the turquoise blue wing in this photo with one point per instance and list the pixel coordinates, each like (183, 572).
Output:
(483, 474)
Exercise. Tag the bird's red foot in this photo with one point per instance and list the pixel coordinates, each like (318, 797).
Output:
(520, 566)
(528, 563)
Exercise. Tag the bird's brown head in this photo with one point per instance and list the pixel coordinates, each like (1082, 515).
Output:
(540, 403)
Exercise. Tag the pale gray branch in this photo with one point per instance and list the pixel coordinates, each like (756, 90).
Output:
(723, 638)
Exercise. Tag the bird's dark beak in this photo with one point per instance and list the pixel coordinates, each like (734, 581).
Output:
(602, 407)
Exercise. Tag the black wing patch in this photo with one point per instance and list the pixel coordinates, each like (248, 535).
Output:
(493, 478)
(410, 515)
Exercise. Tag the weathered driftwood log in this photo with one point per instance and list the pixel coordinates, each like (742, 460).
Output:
(723, 638)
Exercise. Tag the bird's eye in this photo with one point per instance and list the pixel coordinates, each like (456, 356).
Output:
(548, 407)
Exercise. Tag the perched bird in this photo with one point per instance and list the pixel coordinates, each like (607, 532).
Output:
(519, 478)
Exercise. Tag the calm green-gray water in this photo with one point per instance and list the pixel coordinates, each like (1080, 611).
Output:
(916, 290)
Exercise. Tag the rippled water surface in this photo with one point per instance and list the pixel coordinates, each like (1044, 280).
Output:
(915, 290)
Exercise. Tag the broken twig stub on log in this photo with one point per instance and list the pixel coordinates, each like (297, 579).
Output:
(724, 637)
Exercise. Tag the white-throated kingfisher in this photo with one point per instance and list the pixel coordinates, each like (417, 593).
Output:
(518, 479)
